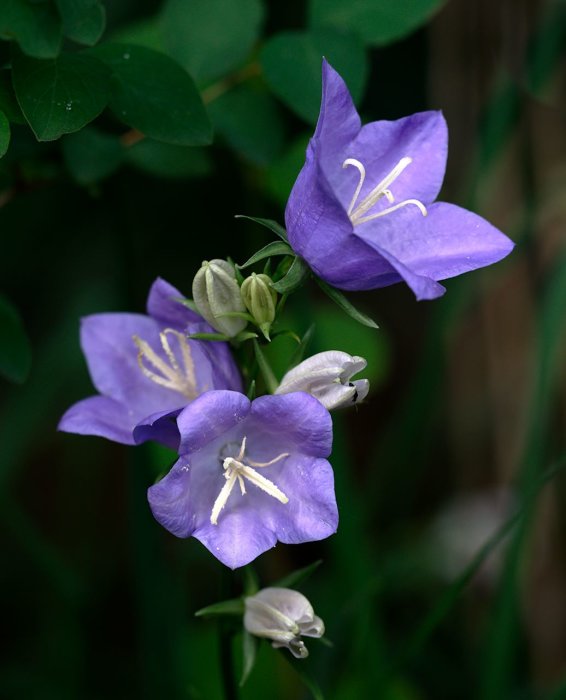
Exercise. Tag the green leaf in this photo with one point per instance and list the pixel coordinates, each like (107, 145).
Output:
(292, 65)
(35, 26)
(294, 578)
(269, 378)
(60, 95)
(243, 336)
(275, 248)
(8, 102)
(299, 667)
(251, 392)
(211, 37)
(251, 122)
(83, 20)
(235, 606)
(280, 176)
(209, 336)
(268, 223)
(144, 32)
(4, 134)
(249, 653)
(91, 155)
(376, 22)
(168, 161)
(299, 353)
(338, 298)
(295, 277)
(15, 350)
(153, 94)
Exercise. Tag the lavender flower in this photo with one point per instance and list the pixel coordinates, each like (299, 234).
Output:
(249, 474)
(282, 615)
(146, 370)
(362, 211)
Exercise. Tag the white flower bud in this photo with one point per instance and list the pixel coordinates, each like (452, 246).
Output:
(327, 377)
(216, 293)
(260, 298)
(283, 616)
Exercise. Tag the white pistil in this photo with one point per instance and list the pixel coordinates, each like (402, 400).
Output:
(356, 213)
(236, 470)
(170, 374)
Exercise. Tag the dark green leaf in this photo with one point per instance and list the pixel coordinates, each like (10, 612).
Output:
(235, 606)
(4, 134)
(271, 382)
(280, 176)
(376, 22)
(209, 336)
(299, 353)
(83, 20)
(8, 103)
(275, 248)
(153, 94)
(145, 32)
(15, 350)
(91, 155)
(60, 95)
(268, 223)
(251, 122)
(292, 64)
(169, 161)
(293, 579)
(250, 583)
(34, 25)
(345, 305)
(296, 276)
(211, 37)
(249, 652)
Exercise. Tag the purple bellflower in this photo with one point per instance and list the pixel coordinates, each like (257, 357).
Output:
(249, 474)
(362, 211)
(147, 370)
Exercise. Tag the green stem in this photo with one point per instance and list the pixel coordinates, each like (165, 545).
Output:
(225, 646)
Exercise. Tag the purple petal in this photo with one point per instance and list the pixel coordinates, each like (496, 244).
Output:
(299, 417)
(102, 416)
(161, 427)
(170, 498)
(216, 366)
(163, 305)
(209, 417)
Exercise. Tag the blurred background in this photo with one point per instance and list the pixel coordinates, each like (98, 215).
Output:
(463, 432)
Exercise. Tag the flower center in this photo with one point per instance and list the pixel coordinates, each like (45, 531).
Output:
(170, 373)
(358, 213)
(235, 470)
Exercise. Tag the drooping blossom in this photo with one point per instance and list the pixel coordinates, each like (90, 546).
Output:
(328, 376)
(146, 370)
(249, 474)
(283, 616)
(362, 212)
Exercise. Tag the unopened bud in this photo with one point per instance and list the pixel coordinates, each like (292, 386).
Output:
(260, 299)
(216, 293)
(327, 376)
(283, 616)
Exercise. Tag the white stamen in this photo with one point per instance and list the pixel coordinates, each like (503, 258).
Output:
(169, 374)
(237, 470)
(356, 213)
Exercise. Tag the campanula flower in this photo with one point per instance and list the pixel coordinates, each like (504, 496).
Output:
(146, 370)
(327, 376)
(283, 616)
(249, 474)
(362, 212)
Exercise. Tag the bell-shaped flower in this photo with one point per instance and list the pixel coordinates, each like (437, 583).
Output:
(249, 474)
(283, 616)
(362, 212)
(216, 293)
(146, 370)
(327, 376)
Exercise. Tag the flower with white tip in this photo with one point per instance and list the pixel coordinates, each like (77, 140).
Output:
(327, 376)
(283, 616)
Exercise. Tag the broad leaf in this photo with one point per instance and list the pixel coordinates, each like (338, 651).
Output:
(15, 350)
(338, 298)
(168, 161)
(154, 94)
(61, 95)
(4, 134)
(83, 20)
(91, 155)
(376, 22)
(275, 248)
(34, 25)
(8, 102)
(292, 64)
(211, 37)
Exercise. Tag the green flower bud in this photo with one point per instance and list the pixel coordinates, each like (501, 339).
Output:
(260, 299)
(216, 293)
